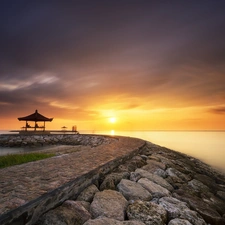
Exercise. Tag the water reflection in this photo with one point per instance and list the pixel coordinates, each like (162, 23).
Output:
(7, 151)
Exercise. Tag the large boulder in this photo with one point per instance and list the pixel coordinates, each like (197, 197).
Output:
(177, 176)
(147, 212)
(111, 180)
(221, 194)
(153, 165)
(177, 209)
(110, 204)
(208, 210)
(208, 181)
(165, 159)
(179, 222)
(132, 164)
(133, 191)
(69, 213)
(152, 177)
(156, 190)
(161, 173)
(198, 186)
(88, 193)
(110, 221)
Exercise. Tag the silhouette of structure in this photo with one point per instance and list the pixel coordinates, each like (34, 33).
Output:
(35, 117)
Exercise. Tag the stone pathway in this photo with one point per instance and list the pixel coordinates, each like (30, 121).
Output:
(23, 183)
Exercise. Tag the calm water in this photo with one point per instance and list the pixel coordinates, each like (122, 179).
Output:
(206, 146)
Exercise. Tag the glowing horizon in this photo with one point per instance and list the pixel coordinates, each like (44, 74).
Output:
(149, 66)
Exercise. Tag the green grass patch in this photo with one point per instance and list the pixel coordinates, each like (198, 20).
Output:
(16, 159)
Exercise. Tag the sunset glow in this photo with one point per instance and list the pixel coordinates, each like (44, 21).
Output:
(118, 65)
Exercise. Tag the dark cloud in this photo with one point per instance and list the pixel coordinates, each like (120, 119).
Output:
(218, 110)
(73, 53)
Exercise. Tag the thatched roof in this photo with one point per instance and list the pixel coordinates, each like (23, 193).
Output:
(35, 117)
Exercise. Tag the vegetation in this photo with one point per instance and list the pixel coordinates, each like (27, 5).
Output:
(16, 159)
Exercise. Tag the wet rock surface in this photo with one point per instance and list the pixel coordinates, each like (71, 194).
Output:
(159, 187)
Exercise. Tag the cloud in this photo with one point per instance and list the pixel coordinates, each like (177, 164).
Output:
(217, 110)
(72, 56)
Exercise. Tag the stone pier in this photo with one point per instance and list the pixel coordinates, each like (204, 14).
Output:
(29, 190)
(98, 180)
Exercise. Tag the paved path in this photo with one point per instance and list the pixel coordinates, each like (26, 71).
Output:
(22, 183)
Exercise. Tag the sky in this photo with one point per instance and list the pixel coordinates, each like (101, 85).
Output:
(113, 64)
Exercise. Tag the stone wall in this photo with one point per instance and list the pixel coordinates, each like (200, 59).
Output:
(16, 140)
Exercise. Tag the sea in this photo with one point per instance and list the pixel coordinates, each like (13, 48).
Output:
(207, 146)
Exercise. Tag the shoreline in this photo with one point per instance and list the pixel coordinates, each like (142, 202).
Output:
(16, 145)
(168, 178)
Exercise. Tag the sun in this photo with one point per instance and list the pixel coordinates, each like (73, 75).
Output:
(112, 119)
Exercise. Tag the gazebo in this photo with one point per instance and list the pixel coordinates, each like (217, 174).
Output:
(35, 117)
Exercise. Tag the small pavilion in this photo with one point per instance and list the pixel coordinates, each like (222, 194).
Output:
(35, 117)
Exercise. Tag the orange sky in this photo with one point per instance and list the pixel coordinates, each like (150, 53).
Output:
(99, 118)
(152, 66)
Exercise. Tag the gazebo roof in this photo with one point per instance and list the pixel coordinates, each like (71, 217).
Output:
(35, 117)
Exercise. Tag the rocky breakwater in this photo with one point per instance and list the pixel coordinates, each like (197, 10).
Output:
(157, 187)
(52, 139)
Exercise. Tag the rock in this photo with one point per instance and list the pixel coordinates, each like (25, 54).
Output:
(102, 221)
(135, 176)
(153, 165)
(132, 222)
(173, 206)
(88, 193)
(155, 158)
(139, 161)
(132, 164)
(161, 173)
(152, 177)
(207, 211)
(111, 180)
(156, 190)
(178, 209)
(208, 181)
(133, 191)
(109, 221)
(215, 202)
(198, 186)
(145, 157)
(85, 204)
(184, 165)
(40, 140)
(165, 159)
(221, 194)
(177, 176)
(147, 212)
(179, 222)
(69, 213)
(109, 203)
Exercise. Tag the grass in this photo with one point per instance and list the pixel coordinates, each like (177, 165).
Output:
(16, 159)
